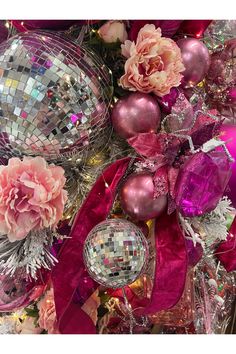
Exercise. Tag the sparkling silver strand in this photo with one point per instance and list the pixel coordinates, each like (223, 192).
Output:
(29, 254)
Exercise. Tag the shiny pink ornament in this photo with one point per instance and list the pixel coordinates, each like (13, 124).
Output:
(231, 95)
(137, 197)
(228, 132)
(17, 292)
(221, 81)
(195, 28)
(134, 114)
(196, 59)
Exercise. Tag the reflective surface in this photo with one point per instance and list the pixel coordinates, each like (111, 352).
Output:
(54, 96)
(115, 253)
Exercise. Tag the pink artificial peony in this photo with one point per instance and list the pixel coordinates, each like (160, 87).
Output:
(47, 313)
(154, 63)
(31, 196)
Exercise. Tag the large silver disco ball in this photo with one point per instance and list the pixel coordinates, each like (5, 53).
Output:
(115, 253)
(54, 97)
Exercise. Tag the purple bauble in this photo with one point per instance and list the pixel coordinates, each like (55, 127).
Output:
(196, 59)
(201, 183)
(136, 113)
(137, 197)
(228, 132)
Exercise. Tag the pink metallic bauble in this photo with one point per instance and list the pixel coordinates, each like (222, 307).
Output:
(231, 95)
(196, 59)
(137, 197)
(194, 28)
(136, 113)
(228, 132)
(17, 292)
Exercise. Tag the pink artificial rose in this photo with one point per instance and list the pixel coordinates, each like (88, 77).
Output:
(31, 196)
(91, 306)
(154, 63)
(47, 313)
(112, 31)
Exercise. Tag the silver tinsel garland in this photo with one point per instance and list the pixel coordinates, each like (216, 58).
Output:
(29, 254)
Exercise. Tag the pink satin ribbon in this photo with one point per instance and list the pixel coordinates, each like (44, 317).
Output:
(226, 252)
(171, 260)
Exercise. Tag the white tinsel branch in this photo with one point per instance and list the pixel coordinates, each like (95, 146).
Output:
(211, 227)
(29, 254)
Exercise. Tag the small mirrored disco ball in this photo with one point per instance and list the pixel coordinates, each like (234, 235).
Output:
(115, 253)
(54, 97)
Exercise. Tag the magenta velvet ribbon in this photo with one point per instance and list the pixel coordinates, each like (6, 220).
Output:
(171, 264)
(70, 269)
(226, 252)
(171, 257)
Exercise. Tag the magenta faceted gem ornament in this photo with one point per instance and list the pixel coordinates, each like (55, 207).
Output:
(201, 183)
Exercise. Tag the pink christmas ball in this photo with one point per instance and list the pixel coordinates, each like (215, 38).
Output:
(221, 81)
(196, 59)
(228, 132)
(136, 113)
(17, 291)
(137, 197)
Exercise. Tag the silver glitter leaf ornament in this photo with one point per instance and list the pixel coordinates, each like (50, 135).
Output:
(54, 97)
(115, 253)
